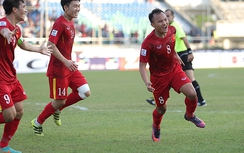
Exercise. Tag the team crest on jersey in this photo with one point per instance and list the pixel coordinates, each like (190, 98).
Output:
(72, 32)
(143, 52)
(173, 38)
(3, 23)
(54, 33)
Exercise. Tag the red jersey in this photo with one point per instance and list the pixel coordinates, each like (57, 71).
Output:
(7, 70)
(62, 35)
(159, 52)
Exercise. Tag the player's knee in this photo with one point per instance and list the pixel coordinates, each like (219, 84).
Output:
(84, 91)
(161, 110)
(10, 117)
(192, 95)
(20, 114)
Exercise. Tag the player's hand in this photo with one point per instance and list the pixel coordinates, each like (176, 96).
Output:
(180, 60)
(71, 65)
(149, 87)
(190, 57)
(9, 35)
(46, 50)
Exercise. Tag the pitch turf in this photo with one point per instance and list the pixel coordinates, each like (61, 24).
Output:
(117, 119)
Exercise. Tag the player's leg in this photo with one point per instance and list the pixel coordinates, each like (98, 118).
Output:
(182, 84)
(12, 115)
(188, 69)
(80, 89)
(58, 92)
(191, 104)
(76, 95)
(190, 74)
(157, 114)
(161, 95)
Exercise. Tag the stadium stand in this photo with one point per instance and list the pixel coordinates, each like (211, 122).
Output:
(131, 19)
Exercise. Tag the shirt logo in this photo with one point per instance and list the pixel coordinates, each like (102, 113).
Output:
(159, 46)
(184, 78)
(54, 33)
(143, 52)
(3, 23)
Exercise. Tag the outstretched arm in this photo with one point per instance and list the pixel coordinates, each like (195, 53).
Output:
(9, 35)
(43, 49)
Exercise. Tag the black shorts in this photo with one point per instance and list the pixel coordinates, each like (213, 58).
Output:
(188, 65)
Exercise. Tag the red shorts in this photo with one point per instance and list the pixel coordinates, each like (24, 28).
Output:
(59, 86)
(11, 94)
(174, 79)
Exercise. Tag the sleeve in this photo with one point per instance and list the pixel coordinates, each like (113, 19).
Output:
(56, 32)
(19, 36)
(145, 52)
(3, 24)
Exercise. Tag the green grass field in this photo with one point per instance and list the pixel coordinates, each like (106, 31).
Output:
(117, 119)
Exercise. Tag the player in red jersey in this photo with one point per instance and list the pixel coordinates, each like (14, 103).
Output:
(165, 71)
(62, 71)
(11, 91)
(183, 49)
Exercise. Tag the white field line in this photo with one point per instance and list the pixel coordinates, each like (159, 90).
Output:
(137, 110)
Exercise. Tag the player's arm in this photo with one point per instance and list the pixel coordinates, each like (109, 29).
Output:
(179, 59)
(144, 76)
(187, 44)
(68, 63)
(7, 34)
(43, 49)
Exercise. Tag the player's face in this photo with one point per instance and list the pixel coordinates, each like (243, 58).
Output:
(169, 16)
(160, 23)
(21, 12)
(73, 10)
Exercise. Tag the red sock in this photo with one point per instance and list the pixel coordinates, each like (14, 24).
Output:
(191, 106)
(8, 132)
(157, 118)
(1, 118)
(48, 111)
(72, 99)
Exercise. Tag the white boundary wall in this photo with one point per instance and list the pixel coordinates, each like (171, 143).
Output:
(27, 62)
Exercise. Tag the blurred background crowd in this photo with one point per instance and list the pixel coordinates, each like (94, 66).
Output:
(209, 23)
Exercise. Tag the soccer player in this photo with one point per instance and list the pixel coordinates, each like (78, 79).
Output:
(166, 72)
(11, 91)
(62, 71)
(182, 47)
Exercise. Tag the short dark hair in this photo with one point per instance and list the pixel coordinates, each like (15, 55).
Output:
(154, 11)
(8, 5)
(66, 2)
(171, 11)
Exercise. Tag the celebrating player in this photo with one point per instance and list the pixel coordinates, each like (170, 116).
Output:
(166, 72)
(11, 91)
(62, 71)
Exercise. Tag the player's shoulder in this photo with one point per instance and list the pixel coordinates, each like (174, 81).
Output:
(149, 37)
(3, 21)
(172, 29)
(59, 20)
